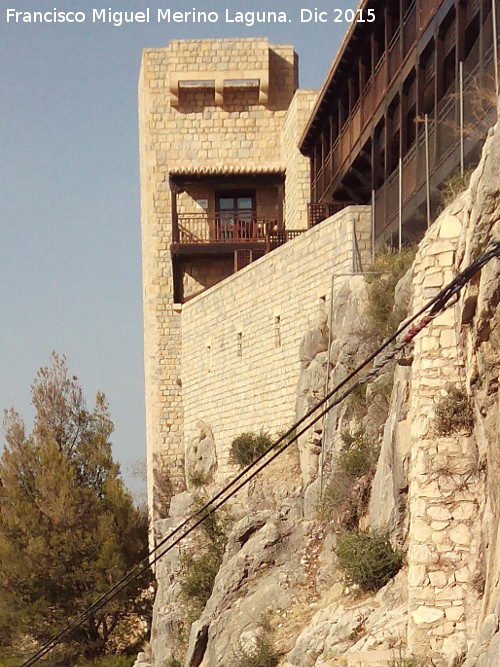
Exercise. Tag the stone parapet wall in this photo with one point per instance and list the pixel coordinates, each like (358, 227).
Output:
(211, 55)
(197, 132)
(240, 363)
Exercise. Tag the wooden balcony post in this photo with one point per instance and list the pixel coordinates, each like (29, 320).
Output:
(281, 196)
(403, 121)
(460, 32)
(387, 28)
(387, 144)
(174, 190)
(439, 77)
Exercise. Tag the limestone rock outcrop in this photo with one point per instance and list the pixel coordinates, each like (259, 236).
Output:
(436, 493)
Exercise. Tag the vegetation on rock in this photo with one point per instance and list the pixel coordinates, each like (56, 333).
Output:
(261, 651)
(68, 528)
(382, 277)
(368, 559)
(358, 456)
(346, 494)
(111, 661)
(248, 446)
(201, 563)
(453, 412)
(455, 184)
(262, 654)
(197, 479)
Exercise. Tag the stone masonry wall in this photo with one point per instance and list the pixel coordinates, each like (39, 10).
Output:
(445, 485)
(239, 363)
(162, 323)
(298, 181)
(198, 133)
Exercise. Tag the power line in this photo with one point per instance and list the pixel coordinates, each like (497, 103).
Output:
(440, 302)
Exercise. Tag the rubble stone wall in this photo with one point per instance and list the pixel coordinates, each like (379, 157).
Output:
(445, 483)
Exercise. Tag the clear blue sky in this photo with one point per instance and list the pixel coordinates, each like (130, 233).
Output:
(70, 264)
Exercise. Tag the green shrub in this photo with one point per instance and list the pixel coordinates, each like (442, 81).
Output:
(335, 497)
(291, 436)
(51, 659)
(198, 575)
(346, 495)
(406, 662)
(9, 661)
(402, 659)
(454, 185)
(358, 457)
(249, 446)
(214, 523)
(110, 661)
(262, 654)
(345, 500)
(367, 559)
(357, 401)
(199, 567)
(453, 412)
(198, 479)
(387, 271)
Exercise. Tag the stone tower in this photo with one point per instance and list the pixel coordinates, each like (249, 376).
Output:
(219, 124)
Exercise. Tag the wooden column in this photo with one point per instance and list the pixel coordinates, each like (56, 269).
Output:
(174, 191)
(439, 56)
(281, 197)
(460, 30)
(388, 143)
(403, 120)
(419, 111)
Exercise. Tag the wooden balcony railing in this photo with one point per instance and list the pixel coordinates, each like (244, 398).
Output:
(444, 136)
(198, 228)
(316, 213)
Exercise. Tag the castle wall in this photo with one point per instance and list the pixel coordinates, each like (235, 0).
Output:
(239, 365)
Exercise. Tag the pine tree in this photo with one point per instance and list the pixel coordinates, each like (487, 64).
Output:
(68, 528)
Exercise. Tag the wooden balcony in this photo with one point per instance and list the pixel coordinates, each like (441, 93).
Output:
(198, 233)
(443, 141)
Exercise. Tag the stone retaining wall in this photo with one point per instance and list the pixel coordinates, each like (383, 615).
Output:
(240, 338)
(444, 482)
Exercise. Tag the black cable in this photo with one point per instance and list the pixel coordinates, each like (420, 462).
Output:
(436, 305)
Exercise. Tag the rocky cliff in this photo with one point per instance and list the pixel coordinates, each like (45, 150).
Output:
(416, 457)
